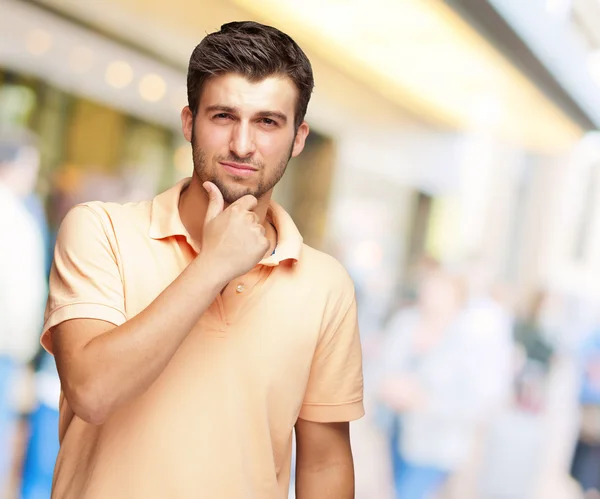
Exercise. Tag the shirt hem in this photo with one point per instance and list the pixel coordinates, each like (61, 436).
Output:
(79, 311)
(322, 413)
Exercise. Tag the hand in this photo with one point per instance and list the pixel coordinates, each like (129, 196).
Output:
(233, 239)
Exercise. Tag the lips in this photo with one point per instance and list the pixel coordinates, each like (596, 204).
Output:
(238, 169)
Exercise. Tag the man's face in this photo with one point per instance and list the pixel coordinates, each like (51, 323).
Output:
(243, 135)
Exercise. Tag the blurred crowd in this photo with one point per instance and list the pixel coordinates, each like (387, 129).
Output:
(459, 377)
(443, 368)
(470, 392)
(28, 441)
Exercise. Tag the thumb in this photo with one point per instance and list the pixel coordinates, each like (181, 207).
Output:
(215, 201)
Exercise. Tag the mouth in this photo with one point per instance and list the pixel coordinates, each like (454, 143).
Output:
(238, 169)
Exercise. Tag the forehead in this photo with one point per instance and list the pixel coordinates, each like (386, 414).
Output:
(274, 93)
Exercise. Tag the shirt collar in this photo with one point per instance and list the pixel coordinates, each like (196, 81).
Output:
(165, 222)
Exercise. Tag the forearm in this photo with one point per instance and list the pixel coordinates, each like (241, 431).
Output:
(335, 481)
(122, 363)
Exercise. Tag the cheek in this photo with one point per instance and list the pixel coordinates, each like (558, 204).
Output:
(212, 138)
(273, 146)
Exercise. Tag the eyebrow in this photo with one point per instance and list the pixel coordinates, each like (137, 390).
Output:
(233, 110)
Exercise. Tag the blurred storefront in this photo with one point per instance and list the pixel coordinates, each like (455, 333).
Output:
(88, 148)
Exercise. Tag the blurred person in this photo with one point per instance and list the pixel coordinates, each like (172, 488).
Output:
(195, 332)
(434, 379)
(42, 444)
(532, 336)
(585, 466)
(489, 322)
(22, 284)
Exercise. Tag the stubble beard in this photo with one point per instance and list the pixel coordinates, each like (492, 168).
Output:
(232, 193)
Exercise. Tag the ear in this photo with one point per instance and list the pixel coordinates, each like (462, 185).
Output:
(300, 139)
(187, 123)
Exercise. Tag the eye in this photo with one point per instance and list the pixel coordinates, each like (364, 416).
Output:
(268, 122)
(222, 116)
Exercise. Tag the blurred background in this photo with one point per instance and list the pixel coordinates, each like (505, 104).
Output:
(453, 167)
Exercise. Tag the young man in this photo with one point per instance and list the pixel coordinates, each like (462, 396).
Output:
(194, 332)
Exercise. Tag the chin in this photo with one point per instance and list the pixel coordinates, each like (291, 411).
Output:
(232, 191)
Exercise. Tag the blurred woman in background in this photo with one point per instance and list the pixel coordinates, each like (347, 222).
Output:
(433, 381)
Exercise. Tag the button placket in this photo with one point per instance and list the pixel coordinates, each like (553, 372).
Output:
(236, 299)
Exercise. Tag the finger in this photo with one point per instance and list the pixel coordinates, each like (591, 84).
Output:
(253, 217)
(265, 242)
(215, 201)
(247, 202)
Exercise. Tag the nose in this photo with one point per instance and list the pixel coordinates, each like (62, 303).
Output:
(242, 140)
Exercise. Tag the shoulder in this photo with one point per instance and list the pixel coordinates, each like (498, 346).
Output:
(117, 211)
(326, 277)
(327, 269)
(105, 216)
(89, 226)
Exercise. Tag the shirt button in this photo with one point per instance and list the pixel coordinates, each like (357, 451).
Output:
(240, 288)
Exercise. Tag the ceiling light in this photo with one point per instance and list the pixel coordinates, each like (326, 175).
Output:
(152, 87)
(38, 41)
(119, 74)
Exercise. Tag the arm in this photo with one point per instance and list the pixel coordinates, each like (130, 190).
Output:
(324, 464)
(102, 366)
(334, 394)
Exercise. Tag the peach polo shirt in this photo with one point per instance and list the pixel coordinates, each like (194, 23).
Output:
(218, 422)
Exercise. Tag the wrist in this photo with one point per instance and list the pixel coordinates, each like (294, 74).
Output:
(212, 270)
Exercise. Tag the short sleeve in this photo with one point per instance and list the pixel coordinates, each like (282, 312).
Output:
(335, 387)
(85, 281)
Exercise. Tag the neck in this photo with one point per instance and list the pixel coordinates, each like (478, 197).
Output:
(193, 204)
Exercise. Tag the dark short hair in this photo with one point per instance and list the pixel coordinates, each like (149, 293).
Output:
(252, 50)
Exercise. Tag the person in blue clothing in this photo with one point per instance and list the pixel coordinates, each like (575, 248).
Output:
(22, 284)
(42, 444)
(585, 467)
